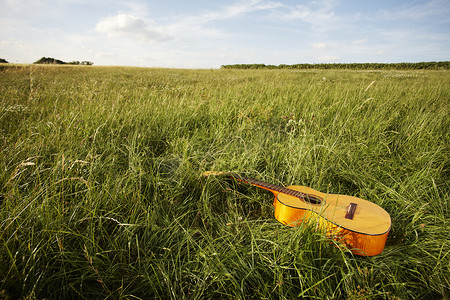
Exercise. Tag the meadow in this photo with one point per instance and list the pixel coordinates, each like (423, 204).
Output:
(101, 193)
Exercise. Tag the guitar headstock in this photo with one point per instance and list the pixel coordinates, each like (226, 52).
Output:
(228, 174)
(213, 173)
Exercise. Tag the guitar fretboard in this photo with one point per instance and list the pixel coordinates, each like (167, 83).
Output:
(273, 187)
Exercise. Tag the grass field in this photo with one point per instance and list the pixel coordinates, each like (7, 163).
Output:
(101, 194)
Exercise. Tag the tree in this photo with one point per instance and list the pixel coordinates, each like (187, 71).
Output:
(3, 61)
(49, 60)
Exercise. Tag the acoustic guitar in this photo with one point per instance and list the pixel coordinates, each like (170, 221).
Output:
(360, 225)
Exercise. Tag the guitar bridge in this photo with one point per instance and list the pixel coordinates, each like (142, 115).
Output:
(351, 211)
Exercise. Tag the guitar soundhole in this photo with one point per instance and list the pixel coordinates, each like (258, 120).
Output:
(312, 199)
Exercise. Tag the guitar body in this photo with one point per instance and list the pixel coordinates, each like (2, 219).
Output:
(364, 234)
(360, 225)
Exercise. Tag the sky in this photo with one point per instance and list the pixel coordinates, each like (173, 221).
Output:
(211, 33)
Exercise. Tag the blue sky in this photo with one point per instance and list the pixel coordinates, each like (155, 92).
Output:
(210, 33)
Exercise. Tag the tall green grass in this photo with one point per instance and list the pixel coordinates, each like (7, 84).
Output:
(101, 194)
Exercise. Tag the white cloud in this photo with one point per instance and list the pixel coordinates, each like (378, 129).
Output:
(181, 27)
(319, 14)
(125, 25)
(201, 23)
(419, 10)
(297, 13)
(359, 42)
(239, 9)
(320, 46)
(328, 58)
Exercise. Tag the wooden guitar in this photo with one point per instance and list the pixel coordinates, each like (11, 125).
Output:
(360, 225)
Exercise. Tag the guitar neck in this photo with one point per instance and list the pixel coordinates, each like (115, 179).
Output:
(269, 186)
(275, 189)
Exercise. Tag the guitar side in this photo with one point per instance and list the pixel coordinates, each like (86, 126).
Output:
(364, 233)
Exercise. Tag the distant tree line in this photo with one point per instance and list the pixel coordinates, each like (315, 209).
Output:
(3, 61)
(50, 60)
(442, 65)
